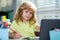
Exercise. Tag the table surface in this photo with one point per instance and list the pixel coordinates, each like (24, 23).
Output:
(35, 38)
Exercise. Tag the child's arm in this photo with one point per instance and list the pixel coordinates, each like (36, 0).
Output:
(14, 34)
(12, 30)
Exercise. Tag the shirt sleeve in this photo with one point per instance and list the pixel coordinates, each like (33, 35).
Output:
(13, 26)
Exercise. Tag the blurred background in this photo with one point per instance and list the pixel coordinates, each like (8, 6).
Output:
(46, 9)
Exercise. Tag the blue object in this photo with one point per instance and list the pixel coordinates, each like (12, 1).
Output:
(54, 35)
(4, 34)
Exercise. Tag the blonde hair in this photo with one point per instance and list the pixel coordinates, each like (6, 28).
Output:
(30, 7)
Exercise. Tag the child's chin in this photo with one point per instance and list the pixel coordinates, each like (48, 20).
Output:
(27, 19)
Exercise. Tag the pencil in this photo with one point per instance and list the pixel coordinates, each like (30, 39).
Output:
(14, 30)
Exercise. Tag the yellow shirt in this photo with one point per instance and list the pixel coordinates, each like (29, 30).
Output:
(24, 29)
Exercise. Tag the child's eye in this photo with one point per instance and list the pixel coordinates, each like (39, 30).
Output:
(26, 11)
(30, 12)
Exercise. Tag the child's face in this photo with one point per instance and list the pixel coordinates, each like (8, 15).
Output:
(27, 15)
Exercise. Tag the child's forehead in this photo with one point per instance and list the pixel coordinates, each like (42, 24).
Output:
(29, 9)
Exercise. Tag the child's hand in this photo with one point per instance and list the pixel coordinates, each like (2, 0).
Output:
(16, 35)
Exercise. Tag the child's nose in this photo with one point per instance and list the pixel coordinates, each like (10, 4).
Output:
(28, 13)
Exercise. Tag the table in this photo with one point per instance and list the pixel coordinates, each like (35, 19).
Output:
(35, 38)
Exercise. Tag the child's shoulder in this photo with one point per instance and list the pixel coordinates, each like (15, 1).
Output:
(13, 21)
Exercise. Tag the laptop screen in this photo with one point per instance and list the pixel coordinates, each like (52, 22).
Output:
(46, 25)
